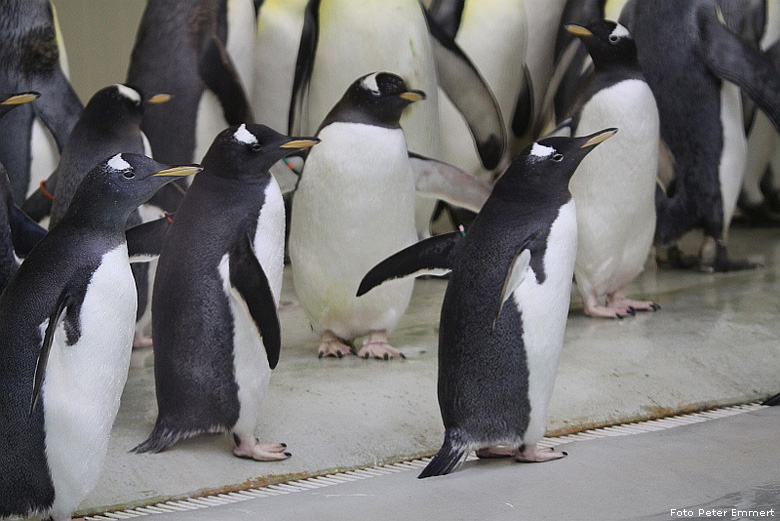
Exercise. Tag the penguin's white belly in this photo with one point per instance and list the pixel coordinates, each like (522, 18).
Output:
(84, 382)
(210, 122)
(44, 155)
(614, 188)
(354, 207)
(544, 308)
(732, 159)
(250, 360)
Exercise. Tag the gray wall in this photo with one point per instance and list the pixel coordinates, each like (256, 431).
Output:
(99, 36)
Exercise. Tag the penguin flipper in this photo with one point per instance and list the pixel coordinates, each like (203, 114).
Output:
(25, 233)
(145, 241)
(469, 92)
(447, 15)
(514, 277)
(731, 59)
(523, 116)
(59, 108)
(221, 77)
(63, 302)
(248, 278)
(304, 65)
(440, 180)
(38, 205)
(432, 256)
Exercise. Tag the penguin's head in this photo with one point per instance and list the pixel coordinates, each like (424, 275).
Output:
(247, 151)
(378, 98)
(120, 183)
(607, 42)
(115, 105)
(549, 163)
(10, 101)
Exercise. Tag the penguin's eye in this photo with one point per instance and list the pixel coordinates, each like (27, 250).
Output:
(557, 158)
(256, 147)
(129, 174)
(613, 38)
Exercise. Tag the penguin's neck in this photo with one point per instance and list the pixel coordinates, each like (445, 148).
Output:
(105, 215)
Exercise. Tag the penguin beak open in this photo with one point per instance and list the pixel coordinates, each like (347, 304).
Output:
(159, 98)
(599, 137)
(300, 143)
(21, 99)
(412, 95)
(179, 171)
(578, 30)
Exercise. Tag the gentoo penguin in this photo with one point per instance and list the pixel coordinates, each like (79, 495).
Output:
(30, 51)
(396, 36)
(697, 67)
(109, 124)
(225, 248)
(66, 329)
(182, 49)
(356, 195)
(18, 233)
(614, 187)
(505, 308)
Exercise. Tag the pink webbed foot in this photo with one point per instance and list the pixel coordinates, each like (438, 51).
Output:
(250, 447)
(619, 300)
(332, 346)
(376, 346)
(141, 341)
(533, 454)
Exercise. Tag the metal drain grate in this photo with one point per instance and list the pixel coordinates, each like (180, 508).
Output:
(418, 464)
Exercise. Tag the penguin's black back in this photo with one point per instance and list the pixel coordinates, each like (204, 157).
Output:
(191, 348)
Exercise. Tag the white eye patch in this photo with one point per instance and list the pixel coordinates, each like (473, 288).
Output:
(129, 93)
(620, 32)
(118, 163)
(242, 135)
(369, 83)
(540, 151)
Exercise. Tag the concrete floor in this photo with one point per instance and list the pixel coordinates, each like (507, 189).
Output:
(714, 342)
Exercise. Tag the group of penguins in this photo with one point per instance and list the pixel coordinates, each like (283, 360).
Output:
(580, 144)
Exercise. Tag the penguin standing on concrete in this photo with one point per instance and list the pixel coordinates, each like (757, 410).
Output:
(30, 53)
(357, 195)
(697, 68)
(505, 308)
(182, 49)
(18, 233)
(614, 187)
(215, 324)
(66, 329)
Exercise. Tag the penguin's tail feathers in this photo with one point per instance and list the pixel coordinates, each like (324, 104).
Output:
(449, 457)
(158, 441)
(773, 401)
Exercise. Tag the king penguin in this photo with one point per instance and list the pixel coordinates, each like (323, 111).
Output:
(354, 206)
(614, 187)
(505, 309)
(18, 233)
(183, 48)
(697, 67)
(30, 60)
(66, 329)
(225, 248)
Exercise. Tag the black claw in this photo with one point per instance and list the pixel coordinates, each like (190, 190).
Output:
(283, 445)
(339, 354)
(631, 311)
(655, 307)
(366, 356)
(288, 454)
(387, 357)
(619, 316)
(321, 355)
(403, 356)
(564, 453)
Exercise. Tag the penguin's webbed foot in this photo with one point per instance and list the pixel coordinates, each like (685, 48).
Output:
(376, 346)
(618, 300)
(333, 346)
(250, 447)
(496, 452)
(592, 308)
(714, 259)
(533, 454)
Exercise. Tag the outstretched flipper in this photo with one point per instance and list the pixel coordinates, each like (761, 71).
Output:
(470, 94)
(249, 279)
(439, 180)
(63, 302)
(433, 256)
(145, 241)
(731, 59)
(220, 76)
(25, 233)
(304, 66)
